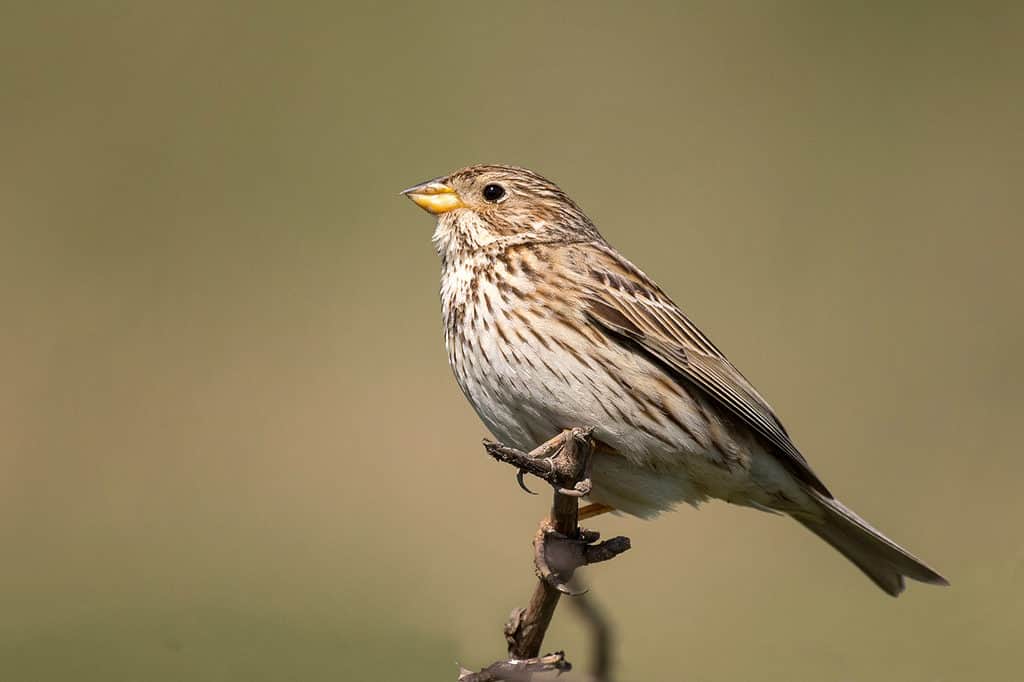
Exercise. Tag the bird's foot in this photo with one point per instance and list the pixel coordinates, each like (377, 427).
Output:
(549, 462)
(557, 556)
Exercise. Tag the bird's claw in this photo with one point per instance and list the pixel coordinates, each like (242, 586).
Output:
(550, 462)
(581, 489)
(521, 480)
(546, 462)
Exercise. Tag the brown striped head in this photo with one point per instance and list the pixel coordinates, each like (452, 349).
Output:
(478, 205)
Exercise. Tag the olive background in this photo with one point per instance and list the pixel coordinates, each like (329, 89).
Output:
(230, 444)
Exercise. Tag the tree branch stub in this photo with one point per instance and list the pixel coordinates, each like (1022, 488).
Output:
(560, 546)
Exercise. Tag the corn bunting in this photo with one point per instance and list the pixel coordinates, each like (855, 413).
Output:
(548, 327)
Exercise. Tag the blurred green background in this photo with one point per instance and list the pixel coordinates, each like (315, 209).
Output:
(231, 447)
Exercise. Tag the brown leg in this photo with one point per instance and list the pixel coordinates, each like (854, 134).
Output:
(589, 511)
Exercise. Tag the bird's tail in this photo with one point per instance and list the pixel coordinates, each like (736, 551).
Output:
(881, 559)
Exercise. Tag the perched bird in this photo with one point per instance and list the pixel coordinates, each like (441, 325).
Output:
(548, 327)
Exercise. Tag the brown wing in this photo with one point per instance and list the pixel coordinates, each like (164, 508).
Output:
(630, 307)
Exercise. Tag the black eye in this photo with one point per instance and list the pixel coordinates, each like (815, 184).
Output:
(493, 193)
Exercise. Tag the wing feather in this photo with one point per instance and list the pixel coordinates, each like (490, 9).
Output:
(642, 314)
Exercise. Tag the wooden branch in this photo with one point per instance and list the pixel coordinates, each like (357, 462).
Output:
(514, 671)
(560, 547)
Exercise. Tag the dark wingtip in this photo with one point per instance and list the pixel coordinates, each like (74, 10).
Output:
(937, 580)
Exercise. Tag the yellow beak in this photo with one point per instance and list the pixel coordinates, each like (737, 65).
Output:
(434, 197)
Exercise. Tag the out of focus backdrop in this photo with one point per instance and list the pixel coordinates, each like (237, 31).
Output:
(230, 445)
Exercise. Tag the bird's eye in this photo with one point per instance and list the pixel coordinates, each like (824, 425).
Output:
(494, 193)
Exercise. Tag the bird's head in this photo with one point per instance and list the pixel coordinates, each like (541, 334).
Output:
(480, 205)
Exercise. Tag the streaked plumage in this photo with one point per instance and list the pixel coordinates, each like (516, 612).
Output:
(547, 327)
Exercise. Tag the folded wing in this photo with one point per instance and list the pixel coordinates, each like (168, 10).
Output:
(632, 309)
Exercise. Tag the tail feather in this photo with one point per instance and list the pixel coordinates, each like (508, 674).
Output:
(881, 559)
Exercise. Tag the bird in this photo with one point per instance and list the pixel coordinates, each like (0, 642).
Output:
(548, 327)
